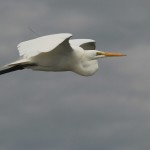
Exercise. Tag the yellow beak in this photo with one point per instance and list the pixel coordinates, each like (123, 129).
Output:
(110, 54)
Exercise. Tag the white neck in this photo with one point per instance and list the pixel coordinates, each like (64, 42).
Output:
(86, 67)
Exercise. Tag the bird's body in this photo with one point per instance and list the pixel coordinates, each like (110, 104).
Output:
(58, 53)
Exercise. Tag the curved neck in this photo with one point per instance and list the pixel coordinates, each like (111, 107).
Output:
(86, 68)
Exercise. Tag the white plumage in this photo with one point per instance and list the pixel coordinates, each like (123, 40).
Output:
(58, 53)
(42, 44)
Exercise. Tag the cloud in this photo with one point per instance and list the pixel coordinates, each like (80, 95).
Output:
(109, 110)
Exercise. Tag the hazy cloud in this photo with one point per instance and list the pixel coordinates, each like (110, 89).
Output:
(64, 111)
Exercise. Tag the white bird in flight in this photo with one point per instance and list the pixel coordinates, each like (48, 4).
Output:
(57, 52)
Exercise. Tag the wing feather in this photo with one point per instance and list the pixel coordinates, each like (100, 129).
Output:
(43, 44)
(86, 44)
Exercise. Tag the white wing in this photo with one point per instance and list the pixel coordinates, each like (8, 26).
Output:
(44, 44)
(86, 44)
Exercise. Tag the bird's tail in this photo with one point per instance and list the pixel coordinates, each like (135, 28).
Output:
(14, 66)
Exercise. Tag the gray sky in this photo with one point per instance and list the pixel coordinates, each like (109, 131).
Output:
(65, 111)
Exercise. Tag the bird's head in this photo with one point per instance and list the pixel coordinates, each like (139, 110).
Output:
(89, 61)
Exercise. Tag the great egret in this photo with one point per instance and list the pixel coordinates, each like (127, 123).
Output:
(57, 52)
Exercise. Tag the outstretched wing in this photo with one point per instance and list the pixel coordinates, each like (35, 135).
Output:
(86, 44)
(49, 43)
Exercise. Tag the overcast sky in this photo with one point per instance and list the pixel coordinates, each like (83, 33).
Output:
(65, 111)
